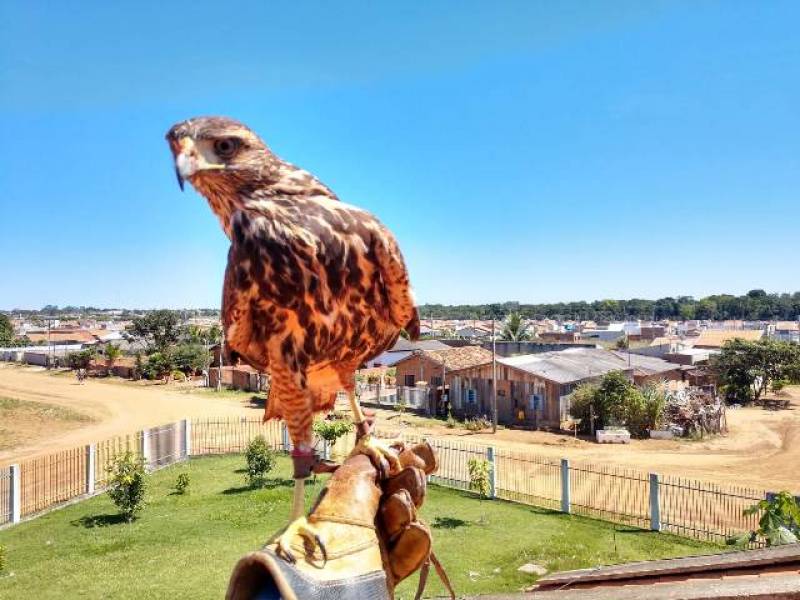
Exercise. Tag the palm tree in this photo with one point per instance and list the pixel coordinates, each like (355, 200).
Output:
(514, 329)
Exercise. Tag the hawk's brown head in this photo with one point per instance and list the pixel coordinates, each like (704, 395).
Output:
(229, 164)
(214, 151)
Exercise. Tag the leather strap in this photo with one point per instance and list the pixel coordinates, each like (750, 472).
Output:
(423, 577)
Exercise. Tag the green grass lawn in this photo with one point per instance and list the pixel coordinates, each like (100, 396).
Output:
(185, 546)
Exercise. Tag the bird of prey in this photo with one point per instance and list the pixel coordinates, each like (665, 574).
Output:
(313, 288)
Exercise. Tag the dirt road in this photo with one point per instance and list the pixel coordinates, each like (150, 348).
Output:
(761, 451)
(114, 408)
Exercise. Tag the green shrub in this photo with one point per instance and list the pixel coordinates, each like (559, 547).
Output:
(451, 422)
(3, 559)
(127, 484)
(779, 522)
(182, 483)
(479, 478)
(82, 359)
(649, 413)
(190, 358)
(158, 365)
(331, 430)
(260, 461)
(617, 402)
(179, 375)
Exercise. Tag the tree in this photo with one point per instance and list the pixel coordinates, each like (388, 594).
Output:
(158, 365)
(82, 359)
(515, 329)
(190, 358)
(479, 472)
(6, 331)
(112, 353)
(157, 329)
(127, 484)
(616, 401)
(745, 369)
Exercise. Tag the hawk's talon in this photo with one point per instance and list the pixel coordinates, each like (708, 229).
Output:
(300, 527)
(379, 450)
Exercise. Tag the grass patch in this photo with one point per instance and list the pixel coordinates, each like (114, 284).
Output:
(184, 546)
(11, 407)
(19, 417)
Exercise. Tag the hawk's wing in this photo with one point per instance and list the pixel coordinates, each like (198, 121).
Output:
(396, 281)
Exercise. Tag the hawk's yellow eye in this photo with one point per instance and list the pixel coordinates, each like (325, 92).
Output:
(226, 147)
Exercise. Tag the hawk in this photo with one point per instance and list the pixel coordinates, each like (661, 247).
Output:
(313, 288)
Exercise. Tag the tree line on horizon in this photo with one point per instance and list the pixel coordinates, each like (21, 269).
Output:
(756, 305)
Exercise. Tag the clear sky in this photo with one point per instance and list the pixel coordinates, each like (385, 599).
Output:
(531, 151)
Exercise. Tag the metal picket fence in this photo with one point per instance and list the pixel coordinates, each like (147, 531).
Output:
(685, 507)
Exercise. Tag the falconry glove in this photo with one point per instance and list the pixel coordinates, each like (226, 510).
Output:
(361, 538)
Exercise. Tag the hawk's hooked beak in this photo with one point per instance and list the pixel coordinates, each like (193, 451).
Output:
(189, 159)
(179, 176)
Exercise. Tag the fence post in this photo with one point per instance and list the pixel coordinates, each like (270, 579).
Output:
(16, 499)
(285, 437)
(490, 453)
(146, 448)
(565, 499)
(91, 453)
(655, 508)
(187, 438)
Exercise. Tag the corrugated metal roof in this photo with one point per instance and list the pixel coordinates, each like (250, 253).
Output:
(567, 366)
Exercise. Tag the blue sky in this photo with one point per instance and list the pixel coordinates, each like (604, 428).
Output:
(531, 151)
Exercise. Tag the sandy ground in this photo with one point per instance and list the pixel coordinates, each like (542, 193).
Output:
(115, 408)
(762, 449)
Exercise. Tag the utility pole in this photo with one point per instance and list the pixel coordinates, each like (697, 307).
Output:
(221, 352)
(494, 380)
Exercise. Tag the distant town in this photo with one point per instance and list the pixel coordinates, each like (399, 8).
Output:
(525, 359)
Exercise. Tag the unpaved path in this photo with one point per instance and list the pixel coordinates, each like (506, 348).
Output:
(761, 450)
(114, 408)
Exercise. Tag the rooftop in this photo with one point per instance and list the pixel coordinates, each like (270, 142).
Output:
(576, 364)
(455, 359)
(716, 338)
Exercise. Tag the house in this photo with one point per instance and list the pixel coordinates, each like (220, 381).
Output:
(431, 366)
(402, 349)
(533, 389)
(561, 336)
(788, 331)
(716, 338)
(438, 369)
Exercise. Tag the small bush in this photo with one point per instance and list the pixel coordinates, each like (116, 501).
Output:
(451, 422)
(179, 375)
(2, 559)
(127, 484)
(182, 483)
(260, 461)
(479, 478)
(331, 430)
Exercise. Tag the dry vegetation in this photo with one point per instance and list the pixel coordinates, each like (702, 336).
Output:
(21, 420)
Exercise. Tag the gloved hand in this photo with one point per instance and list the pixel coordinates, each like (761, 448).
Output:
(362, 538)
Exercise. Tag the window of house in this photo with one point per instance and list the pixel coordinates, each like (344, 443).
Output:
(408, 381)
(436, 380)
